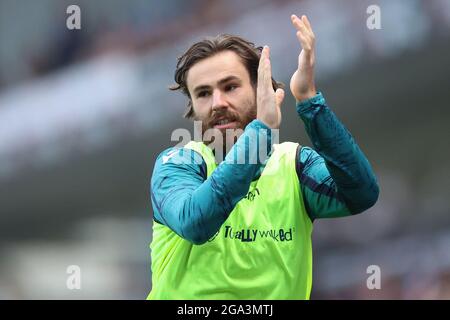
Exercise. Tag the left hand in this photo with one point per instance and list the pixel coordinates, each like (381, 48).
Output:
(302, 82)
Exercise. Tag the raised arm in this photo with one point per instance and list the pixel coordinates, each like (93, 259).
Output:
(336, 178)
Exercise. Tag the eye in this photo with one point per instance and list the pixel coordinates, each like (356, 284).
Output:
(231, 87)
(202, 94)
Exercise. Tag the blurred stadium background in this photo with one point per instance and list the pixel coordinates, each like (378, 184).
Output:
(84, 113)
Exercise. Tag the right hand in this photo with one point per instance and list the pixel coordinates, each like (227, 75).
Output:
(268, 101)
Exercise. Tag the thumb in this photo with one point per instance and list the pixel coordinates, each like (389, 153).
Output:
(279, 97)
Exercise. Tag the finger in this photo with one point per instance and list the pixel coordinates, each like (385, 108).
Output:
(304, 33)
(300, 26)
(304, 41)
(261, 67)
(263, 54)
(307, 24)
(293, 17)
(279, 97)
(264, 70)
(267, 70)
(298, 23)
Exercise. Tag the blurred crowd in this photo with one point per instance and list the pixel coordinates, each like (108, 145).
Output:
(118, 27)
(58, 100)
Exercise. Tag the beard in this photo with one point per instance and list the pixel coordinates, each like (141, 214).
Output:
(241, 120)
(229, 135)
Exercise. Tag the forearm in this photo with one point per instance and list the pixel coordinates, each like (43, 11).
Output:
(352, 177)
(196, 210)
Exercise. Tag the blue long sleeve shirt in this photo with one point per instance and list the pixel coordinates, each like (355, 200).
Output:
(335, 177)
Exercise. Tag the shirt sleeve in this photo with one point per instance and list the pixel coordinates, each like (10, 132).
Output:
(194, 206)
(336, 178)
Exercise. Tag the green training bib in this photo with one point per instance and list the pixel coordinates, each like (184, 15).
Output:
(262, 251)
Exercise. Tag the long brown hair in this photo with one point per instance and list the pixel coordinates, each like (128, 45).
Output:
(246, 50)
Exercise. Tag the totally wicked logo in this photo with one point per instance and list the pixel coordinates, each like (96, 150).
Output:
(250, 235)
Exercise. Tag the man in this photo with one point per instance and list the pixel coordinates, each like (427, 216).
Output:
(227, 230)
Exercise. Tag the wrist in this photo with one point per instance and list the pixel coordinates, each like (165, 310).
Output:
(305, 105)
(258, 137)
(268, 124)
(306, 96)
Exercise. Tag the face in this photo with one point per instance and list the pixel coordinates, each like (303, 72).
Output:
(222, 95)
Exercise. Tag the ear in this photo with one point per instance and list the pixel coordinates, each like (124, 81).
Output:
(189, 113)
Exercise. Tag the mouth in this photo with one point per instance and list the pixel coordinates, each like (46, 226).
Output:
(225, 124)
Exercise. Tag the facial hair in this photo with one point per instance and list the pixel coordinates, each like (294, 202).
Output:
(242, 120)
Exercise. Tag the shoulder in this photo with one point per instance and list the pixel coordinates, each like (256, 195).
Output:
(303, 153)
(307, 155)
(308, 162)
(303, 156)
(179, 156)
(175, 160)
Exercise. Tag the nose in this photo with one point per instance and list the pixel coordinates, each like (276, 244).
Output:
(218, 101)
